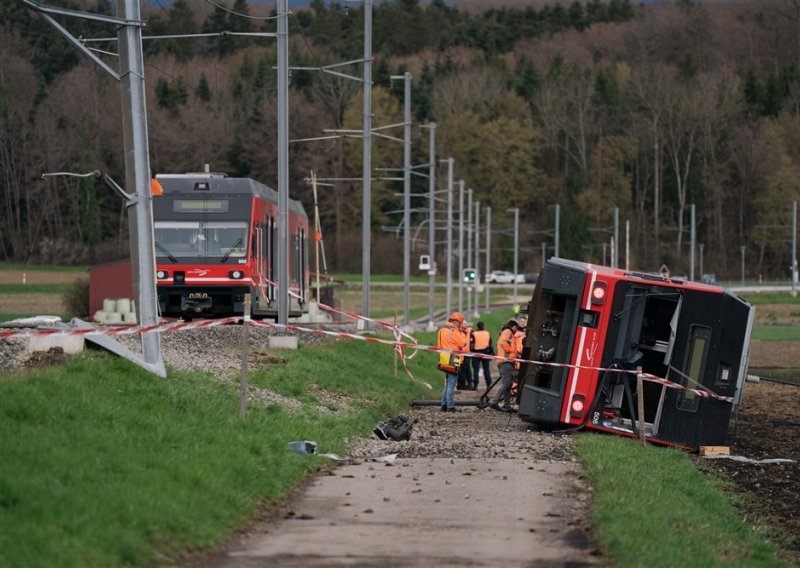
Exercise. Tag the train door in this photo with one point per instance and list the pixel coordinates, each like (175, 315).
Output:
(272, 255)
(302, 268)
(642, 335)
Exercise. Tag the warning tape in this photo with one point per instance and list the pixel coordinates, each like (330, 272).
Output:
(121, 330)
(396, 344)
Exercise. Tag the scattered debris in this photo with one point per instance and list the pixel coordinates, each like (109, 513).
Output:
(750, 460)
(397, 429)
(389, 458)
(309, 447)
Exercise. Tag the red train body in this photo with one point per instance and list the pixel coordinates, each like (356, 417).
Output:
(592, 317)
(216, 240)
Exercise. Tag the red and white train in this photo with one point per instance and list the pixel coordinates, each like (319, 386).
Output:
(216, 240)
(591, 317)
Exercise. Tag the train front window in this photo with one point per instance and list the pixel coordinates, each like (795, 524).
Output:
(211, 240)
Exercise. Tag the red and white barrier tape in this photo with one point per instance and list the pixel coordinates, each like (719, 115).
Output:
(121, 330)
(399, 346)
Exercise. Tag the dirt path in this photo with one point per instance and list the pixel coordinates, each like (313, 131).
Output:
(470, 489)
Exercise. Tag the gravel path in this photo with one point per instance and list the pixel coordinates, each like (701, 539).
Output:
(470, 488)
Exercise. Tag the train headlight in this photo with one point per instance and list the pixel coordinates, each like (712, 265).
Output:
(236, 274)
(599, 293)
(162, 274)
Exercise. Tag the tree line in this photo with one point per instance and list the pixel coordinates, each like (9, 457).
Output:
(592, 105)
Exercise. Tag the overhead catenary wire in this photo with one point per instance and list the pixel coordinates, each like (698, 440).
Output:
(235, 13)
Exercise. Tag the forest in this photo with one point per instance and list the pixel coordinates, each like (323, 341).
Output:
(648, 108)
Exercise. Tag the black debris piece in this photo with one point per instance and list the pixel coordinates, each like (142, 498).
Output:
(397, 429)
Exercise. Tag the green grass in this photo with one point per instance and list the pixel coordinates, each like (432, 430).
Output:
(652, 507)
(377, 278)
(43, 267)
(34, 288)
(770, 298)
(776, 332)
(105, 465)
(10, 316)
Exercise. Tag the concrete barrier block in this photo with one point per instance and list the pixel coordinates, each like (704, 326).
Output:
(283, 342)
(70, 344)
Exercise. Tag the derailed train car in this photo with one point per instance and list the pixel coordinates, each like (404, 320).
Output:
(597, 321)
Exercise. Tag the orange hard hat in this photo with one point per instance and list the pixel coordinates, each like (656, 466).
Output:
(455, 316)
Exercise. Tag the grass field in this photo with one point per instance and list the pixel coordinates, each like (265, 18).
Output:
(53, 288)
(652, 507)
(771, 298)
(776, 332)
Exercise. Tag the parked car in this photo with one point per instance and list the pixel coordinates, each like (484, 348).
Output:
(531, 277)
(710, 278)
(500, 277)
(519, 279)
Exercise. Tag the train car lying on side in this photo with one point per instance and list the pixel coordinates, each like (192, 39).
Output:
(216, 240)
(598, 320)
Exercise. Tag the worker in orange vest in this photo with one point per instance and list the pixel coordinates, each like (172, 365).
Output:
(465, 379)
(482, 344)
(519, 342)
(506, 350)
(452, 338)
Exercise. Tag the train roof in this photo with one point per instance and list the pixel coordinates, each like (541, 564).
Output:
(648, 277)
(221, 183)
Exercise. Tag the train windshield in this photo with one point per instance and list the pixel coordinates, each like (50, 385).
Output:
(220, 240)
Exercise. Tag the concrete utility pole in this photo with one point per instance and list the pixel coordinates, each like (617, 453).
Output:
(742, 249)
(137, 158)
(431, 222)
(406, 77)
(627, 245)
(702, 246)
(461, 245)
(449, 299)
(366, 170)
(477, 263)
(544, 253)
(557, 229)
(794, 248)
(515, 210)
(615, 261)
(469, 248)
(488, 251)
(283, 162)
(137, 177)
(692, 240)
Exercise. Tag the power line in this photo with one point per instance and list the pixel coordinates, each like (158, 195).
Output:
(235, 13)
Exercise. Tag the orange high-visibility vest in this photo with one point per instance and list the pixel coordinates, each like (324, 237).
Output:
(506, 346)
(482, 339)
(450, 337)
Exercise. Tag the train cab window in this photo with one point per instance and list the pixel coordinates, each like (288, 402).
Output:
(695, 367)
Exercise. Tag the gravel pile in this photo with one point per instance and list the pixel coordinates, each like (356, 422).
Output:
(468, 433)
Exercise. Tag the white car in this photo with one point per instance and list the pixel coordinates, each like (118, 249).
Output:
(500, 277)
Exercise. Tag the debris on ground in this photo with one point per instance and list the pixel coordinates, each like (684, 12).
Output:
(397, 429)
(309, 448)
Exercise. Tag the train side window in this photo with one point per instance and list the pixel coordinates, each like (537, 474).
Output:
(303, 252)
(253, 241)
(295, 258)
(695, 367)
